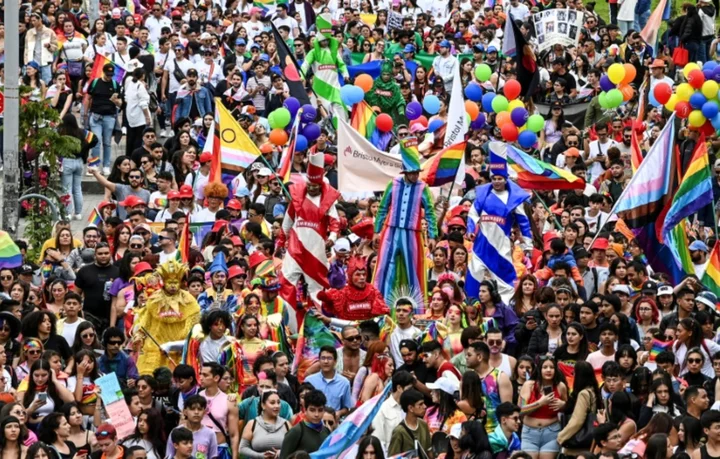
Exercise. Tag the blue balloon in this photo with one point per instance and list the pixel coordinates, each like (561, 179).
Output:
(346, 94)
(357, 94)
(435, 125)
(487, 101)
(652, 100)
(708, 74)
(606, 84)
(697, 100)
(473, 91)
(309, 113)
(479, 122)
(311, 132)
(301, 143)
(431, 104)
(413, 110)
(716, 122)
(716, 74)
(519, 116)
(710, 109)
(709, 65)
(527, 138)
(292, 104)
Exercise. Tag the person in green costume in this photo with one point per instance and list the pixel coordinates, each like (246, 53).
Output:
(385, 94)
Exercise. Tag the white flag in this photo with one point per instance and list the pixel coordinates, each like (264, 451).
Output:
(456, 125)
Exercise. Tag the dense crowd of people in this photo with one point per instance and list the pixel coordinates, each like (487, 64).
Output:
(590, 351)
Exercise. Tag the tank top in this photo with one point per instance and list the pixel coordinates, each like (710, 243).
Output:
(217, 405)
(544, 412)
(491, 398)
(505, 365)
(704, 453)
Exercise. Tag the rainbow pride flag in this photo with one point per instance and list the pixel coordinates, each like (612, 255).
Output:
(362, 119)
(352, 428)
(443, 167)
(10, 256)
(677, 241)
(711, 278)
(534, 174)
(657, 347)
(568, 370)
(94, 218)
(313, 335)
(289, 152)
(183, 252)
(97, 71)
(695, 190)
(268, 6)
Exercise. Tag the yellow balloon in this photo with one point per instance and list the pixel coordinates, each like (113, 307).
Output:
(684, 91)
(518, 103)
(696, 118)
(689, 68)
(616, 73)
(710, 89)
(672, 102)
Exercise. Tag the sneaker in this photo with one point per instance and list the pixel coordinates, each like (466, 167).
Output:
(106, 171)
(77, 216)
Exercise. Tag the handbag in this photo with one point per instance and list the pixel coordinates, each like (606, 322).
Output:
(680, 56)
(177, 73)
(583, 438)
(75, 68)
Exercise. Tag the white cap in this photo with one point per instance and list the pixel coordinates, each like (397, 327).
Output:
(342, 245)
(205, 36)
(445, 384)
(354, 238)
(264, 172)
(665, 290)
(620, 288)
(456, 430)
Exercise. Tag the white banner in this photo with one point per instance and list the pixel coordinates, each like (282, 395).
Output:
(557, 26)
(361, 166)
(456, 125)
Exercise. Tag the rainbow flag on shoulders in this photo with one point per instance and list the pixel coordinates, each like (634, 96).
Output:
(534, 174)
(10, 256)
(443, 167)
(711, 278)
(268, 6)
(94, 218)
(313, 335)
(657, 347)
(97, 71)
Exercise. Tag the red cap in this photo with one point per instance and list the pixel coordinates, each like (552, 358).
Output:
(105, 204)
(132, 201)
(142, 267)
(548, 238)
(205, 157)
(255, 259)
(457, 221)
(236, 240)
(329, 159)
(186, 191)
(235, 271)
(174, 194)
(234, 204)
(105, 432)
(600, 244)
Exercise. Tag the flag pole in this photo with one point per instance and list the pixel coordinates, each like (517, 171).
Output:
(547, 209)
(282, 185)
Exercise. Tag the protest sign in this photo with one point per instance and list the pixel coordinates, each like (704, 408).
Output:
(557, 27)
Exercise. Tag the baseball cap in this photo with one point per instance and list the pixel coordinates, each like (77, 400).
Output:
(173, 195)
(179, 45)
(698, 245)
(131, 201)
(479, 48)
(235, 271)
(255, 10)
(492, 49)
(205, 157)
(572, 151)
(240, 41)
(409, 49)
(105, 432)
(186, 191)
(657, 63)
(108, 68)
(234, 204)
(456, 431)
(457, 221)
(254, 46)
(650, 287)
(581, 253)
(620, 288)
(412, 345)
(142, 267)
(264, 57)
(264, 172)
(665, 290)
(444, 384)
(25, 269)
(444, 44)
(342, 245)
(205, 36)
(142, 227)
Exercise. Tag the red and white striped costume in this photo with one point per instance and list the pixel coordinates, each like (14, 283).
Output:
(309, 222)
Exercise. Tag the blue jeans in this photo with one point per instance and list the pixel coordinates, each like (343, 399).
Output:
(625, 26)
(693, 49)
(46, 74)
(72, 183)
(640, 20)
(102, 126)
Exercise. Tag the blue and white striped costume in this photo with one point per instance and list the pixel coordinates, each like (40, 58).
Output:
(494, 215)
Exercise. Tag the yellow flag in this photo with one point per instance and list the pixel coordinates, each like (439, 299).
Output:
(237, 150)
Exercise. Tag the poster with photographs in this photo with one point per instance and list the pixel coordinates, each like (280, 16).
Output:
(394, 20)
(557, 27)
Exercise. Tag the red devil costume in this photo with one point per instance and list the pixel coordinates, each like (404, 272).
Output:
(351, 302)
(309, 222)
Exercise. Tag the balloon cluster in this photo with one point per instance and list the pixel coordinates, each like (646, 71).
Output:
(281, 119)
(513, 119)
(697, 100)
(616, 87)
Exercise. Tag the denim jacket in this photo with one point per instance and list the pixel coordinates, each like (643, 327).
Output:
(203, 99)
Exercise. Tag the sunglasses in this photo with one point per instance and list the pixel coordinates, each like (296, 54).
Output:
(573, 144)
(87, 335)
(144, 162)
(354, 338)
(694, 360)
(6, 277)
(114, 343)
(494, 342)
(136, 246)
(135, 177)
(34, 352)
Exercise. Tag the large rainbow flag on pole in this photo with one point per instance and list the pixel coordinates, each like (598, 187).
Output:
(97, 71)
(534, 174)
(711, 278)
(10, 256)
(443, 167)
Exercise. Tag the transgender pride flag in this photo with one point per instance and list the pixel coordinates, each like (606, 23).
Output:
(352, 428)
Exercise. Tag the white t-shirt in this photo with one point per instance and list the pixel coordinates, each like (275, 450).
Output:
(209, 73)
(183, 65)
(287, 21)
(155, 26)
(68, 331)
(72, 50)
(253, 30)
(596, 149)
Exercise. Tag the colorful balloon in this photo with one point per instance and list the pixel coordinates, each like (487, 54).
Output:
(301, 143)
(435, 125)
(364, 82)
(282, 117)
(672, 102)
(509, 132)
(606, 84)
(347, 94)
(662, 92)
(519, 116)
(614, 98)
(422, 120)
(710, 89)
(309, 113)
(630, 74)
(616, 73)
(689, 68)
(499, 104)
(487, 100)
(278, 137)
(431, 104)
(683, 109)
(472, 109)
(513, 104)
(696, 79)
(503, 118)
(697, 100)
(512, 89)
(684, 91)
(535, 123)
(413, 110)
(311, 132)
(710, 109)
(696, 118)
(479, 122)
(627, 92)
(384, 122)
(473, 91)
(483, 72)
(292, 104)
(527, 139)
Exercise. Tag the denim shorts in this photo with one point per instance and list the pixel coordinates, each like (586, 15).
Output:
(541, 439)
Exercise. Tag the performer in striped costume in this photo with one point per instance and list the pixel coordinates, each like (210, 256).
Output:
(401, 259)
(311, 224)
(497, 208)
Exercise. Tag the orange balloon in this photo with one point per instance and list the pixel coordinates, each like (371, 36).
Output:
(472, 109)
(630, 74)
(502, 118)
(278, 137)
(627, 91)
(364, 81)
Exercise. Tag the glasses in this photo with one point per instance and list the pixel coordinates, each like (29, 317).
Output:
(144, 162)
(6, 277)
(114, 343)
(694, 360)
(136, 246)
(647, 338)
(573, 144)
(326, 358)
(252, 215)
(355, 338)
(135, 177)
(163, 238)
(402, 134)
(494, 342)
(34, 352)
(87, 335)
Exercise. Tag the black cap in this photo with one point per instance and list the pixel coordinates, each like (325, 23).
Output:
(107, 68)
(192, 72)
(25, 269)
(412, 345)
(559, 60)
(581, 253)
(650, 287)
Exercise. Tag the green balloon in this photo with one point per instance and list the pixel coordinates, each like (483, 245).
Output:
(603, 100)
(282, 117)
(272, 121)
(535, 123)
(483, 72)
(499, 104)
(614, 98)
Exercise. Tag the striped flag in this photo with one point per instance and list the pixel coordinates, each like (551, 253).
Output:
(287, 157)
(94, 218)
(236, 151)
(183, 252)
(635, 150)
(97, 71)
(313, 335)
(10, 256)
(711, 278)
(534, 174)
(443, 167)
(652, 28)
(657, 347)
(677, 241)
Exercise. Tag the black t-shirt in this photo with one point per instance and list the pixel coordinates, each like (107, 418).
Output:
(571, 83)
(58, 344)
(95, 283)
(101, 91)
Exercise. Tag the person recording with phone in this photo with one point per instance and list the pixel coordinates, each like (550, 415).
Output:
(595, 155)
(44, 393)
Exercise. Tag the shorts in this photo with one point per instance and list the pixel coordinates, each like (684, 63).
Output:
(540, 439)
